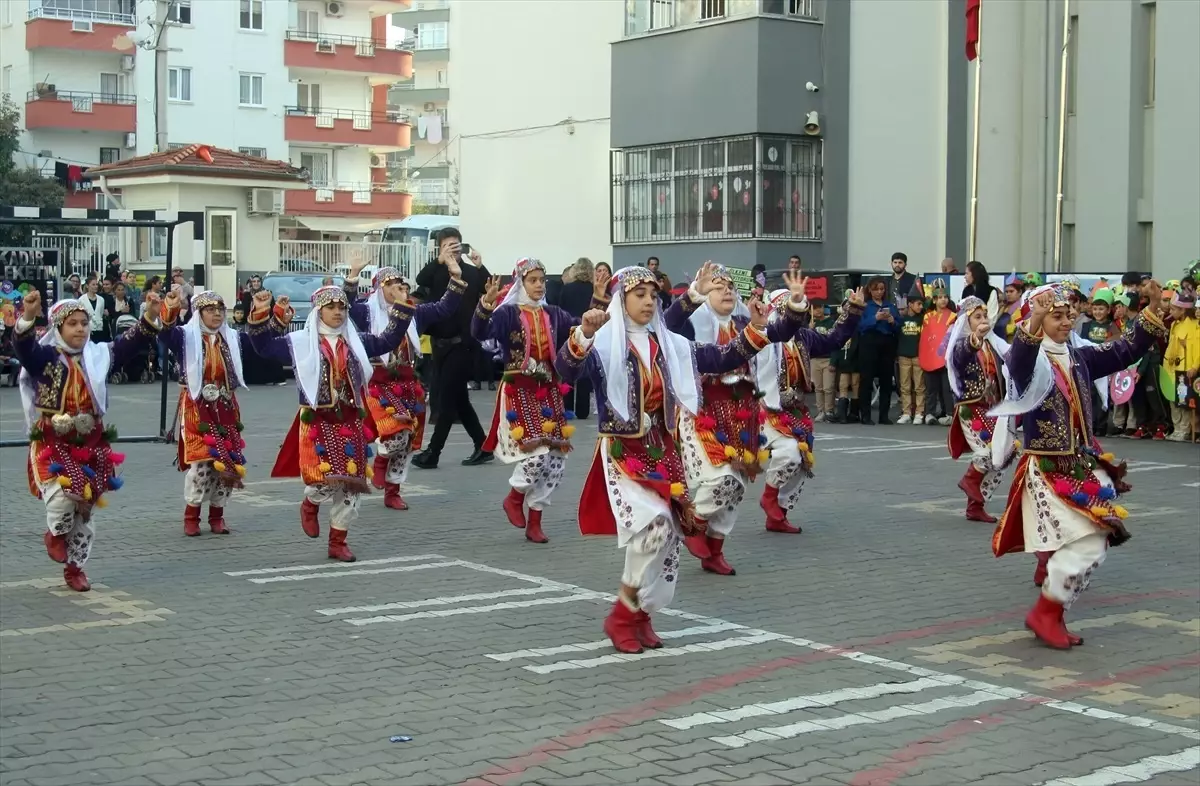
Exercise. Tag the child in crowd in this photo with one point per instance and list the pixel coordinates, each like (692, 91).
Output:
(1098, 330)
(936, 324)
(1182, 360)
(824, 375)
(1123, 417)
(912, 378)
(845, 364)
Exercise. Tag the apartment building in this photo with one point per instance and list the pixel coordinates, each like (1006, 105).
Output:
(304, 81)
(427, 166)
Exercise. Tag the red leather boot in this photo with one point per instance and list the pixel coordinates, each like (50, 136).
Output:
(56, 546)
(1045, 620)
(308, 518)
(776, 516)
(391, 496)
(216, 521)
(533, 531)
(1071, 637)
(645, 633)
(75, 578)
(971, 485)
(379, 468)
(717, 563)
(514, 508)
(621, 627)
(697, 545)
(191, 521)
(1040, 572)
(338, 549)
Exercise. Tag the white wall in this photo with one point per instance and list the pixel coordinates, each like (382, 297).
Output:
(527, 190)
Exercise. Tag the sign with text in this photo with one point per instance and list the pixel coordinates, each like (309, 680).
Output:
(25, 269)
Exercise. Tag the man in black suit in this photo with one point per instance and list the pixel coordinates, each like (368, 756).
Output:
(454, 350)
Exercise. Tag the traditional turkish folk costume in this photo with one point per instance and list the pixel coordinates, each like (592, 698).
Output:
(210, 444)
(329, 442)
(784, 377)
(1065, 491)
(976, 373)
(723, 446)
(530, 426)
(645, 378)
(71, 464)
(395, 396)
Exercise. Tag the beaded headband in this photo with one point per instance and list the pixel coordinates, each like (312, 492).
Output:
(779, 297)
(969, 304)
(63, 309)
(207, 298)
(721, 273)
(526, 266)
(384, 275)
(330, 294)
(630, 278)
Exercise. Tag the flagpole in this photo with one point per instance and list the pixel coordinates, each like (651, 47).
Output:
(1062, 136)
(975, 137)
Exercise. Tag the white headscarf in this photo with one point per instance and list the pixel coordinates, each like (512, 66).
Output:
(612, 346)
(96, 360)
(707, 323)
(193, 344)
(380, 314)
(516, 294)
(956, 333)
(306, 346)
(767, 361)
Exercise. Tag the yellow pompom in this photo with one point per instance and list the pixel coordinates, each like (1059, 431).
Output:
(390, 410)
(1099, 512)
(323, 467)
(219, 466)
(1107, 457)
(748, 456)
(351, 468)
(102, 503)
(240, 470)
(548, 426)
(677, 489)
(87, 491)
(568, 431)
(369, 471)
(764, 456)
(64, 481)
(1120, 511)
(517, 432)
(730, 451)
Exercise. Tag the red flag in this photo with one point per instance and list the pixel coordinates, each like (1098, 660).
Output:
(972, 29)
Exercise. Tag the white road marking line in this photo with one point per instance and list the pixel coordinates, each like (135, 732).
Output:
(359, 564)
(515, 604)
(756, 637)
(1150, 466)
(1192, 485)
(409, 489)
(1140, 771)
(587, 646)
(828, 699)
(353, 572)
(855, 719)
(442, 601)
(884, 449)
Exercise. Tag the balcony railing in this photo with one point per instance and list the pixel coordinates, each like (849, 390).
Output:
(81, 102)
(428, 5)
(362, 120)
(364, 46)
(648, 16)
(77, 14)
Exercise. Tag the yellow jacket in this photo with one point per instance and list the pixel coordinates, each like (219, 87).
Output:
(1183, 347)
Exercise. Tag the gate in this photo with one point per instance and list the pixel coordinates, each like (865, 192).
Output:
(83, 255)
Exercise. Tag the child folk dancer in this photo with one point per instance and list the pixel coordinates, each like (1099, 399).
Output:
(784, 377)
(645, 378)
(328, 444)
(1064, 493)
(1014, 298)
(64, 392)
(209, 440)
(1182, 362)
(529, 428)
(722, 443)
(975, 369)
(395, 397)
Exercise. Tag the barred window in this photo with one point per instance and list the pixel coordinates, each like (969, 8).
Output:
(741, 187)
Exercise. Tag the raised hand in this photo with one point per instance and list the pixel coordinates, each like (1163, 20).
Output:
(153, 301)
(982, 330)
(858, 297)
(454, 268)
(262, 298)
(174, 298)
(592, 321)
(451, 251)
(705, 281)
(475, 258)
(600, 284)
(492, 291)
(797, 283)
(758, 313)
(284, 302)
(1043, 304)
(32, 307)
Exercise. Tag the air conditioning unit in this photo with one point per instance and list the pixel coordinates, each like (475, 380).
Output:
(266, 201)
(430, 106)
(81, 25)
(131, 141)
(326, 45)
(127, 62)
(378, 161)
(335, 8)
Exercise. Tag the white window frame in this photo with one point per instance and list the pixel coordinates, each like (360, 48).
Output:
(6, 80)
(175, 12)
(306, 102)
(227, 256)
(314, 172)
(304, 17)
(246, 97)
(439, 37)
(256, 152)
(6, 14)
(183, 78)
(247, 7)
(113, 157)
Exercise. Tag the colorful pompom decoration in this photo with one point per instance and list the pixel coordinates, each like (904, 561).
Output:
(1107, 492)
(1090, 487)
(518, 432)
(219, 466)
(564, 388)
(1099, 512)
(748, 456)
(548, 426)
(91, 473)
(390, 410)
(87, 491)
(210, 440)
(764, 456)
(655, 475)
(744, 436)
(81, 454)
(346, 431)
(101, 503)
(44, 454)
(55, 467)
(985, 435)
(1079, 498)
(762, 439)
(1107, 458)
(306, 416)
(976, 424)
(115, 482)
(119, 458)
(511, 415)
(351, 468)
(240, 470)
(323, 467)
(721, 436)
(635, 465)
(369, 471)
(616, 449)
(64, 481)
(349, 449)
(1120, 511)
(730, 451)
(567, 431)
(1062, 488)
(677, 489)
(542, 394)
(397, 389)
(742, 413)
(368, 451)
(547, 412)
(214, 452)
(568, 414)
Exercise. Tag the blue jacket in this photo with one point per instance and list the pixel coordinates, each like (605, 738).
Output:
(869, 323)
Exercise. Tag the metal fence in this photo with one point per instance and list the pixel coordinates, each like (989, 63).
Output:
(337, 257)
(82, 254)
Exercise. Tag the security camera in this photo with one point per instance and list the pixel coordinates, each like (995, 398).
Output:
(812, 124)
(810, 87)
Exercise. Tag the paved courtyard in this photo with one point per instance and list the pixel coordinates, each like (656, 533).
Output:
(882, 646)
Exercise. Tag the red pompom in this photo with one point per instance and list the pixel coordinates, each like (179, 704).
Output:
(397, 389)
(1062, 487)
(314, 434)
(635, 466)
(373, 390)
(81, 454)
(345, 431)
(541, 394)
(564, 388)
(976, 424)
(44, 454)
(742, 413)
(1090, 487)
(419, 393)
(210, 440)
(117, 458)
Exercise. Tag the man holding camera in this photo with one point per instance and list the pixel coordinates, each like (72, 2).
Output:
(453, 348)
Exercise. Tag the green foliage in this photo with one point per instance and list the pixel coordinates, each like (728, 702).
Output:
(21, 185)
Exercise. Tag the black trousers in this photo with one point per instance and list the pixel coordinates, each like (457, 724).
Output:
(939, 399)
(453, 365)
(578, 399)
(876, 361)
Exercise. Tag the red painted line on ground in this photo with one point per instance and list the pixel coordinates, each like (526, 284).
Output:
(905, 759)
(514, 767)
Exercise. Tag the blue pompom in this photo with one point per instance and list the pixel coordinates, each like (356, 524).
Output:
(214, 453)
(349, 451)
(91, 473)
(744, 437)
(762, 439)
(1079, 498)
(115, 483)
(547, 412)
(56, 467)
(568, 415)
(512, 416)
(985, 435)
(418, 408)
(383, 402)
(797, 432)
(655, 476)
(368, 451)
(1107, 492)
(320, 450)
(722, 437)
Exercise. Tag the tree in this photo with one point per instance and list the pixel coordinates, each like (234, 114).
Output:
(21, 185)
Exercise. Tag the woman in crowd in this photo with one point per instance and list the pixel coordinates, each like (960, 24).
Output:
(878, 335)
(979, 285)
(575, 298)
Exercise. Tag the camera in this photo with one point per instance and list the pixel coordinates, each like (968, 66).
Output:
(810, 87)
